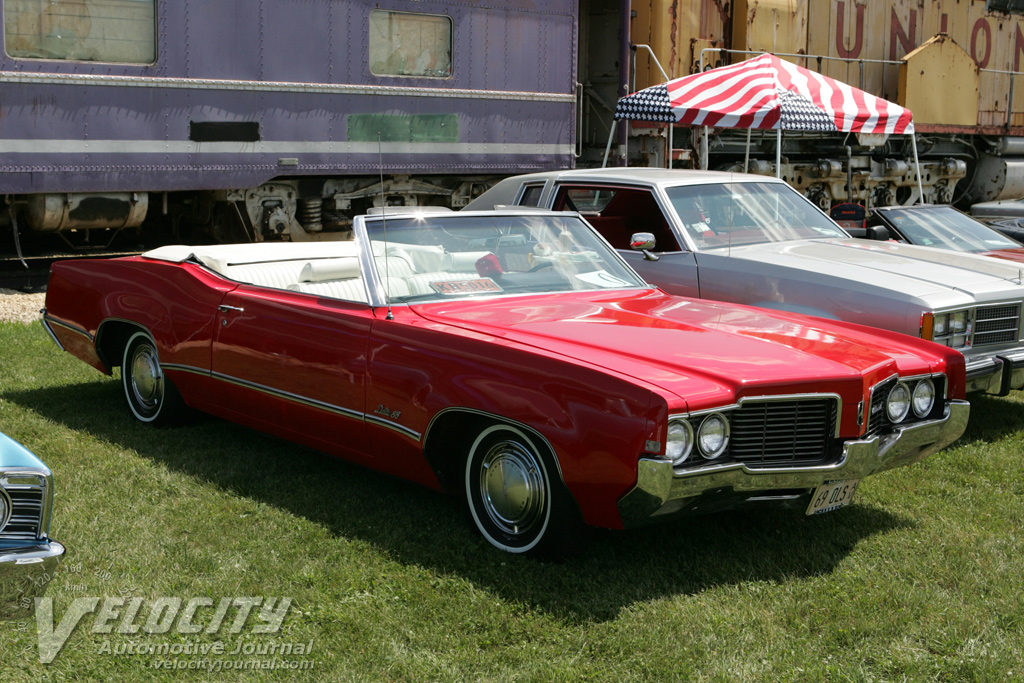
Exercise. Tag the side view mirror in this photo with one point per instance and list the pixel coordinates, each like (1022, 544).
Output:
(643, 241)
(875, 232)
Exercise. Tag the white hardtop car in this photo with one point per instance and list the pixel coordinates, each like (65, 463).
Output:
(755, 240)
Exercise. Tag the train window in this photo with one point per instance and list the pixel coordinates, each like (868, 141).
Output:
(118, 31)
(407, 44)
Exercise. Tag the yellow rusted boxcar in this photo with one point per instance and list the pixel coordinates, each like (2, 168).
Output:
(955, 63)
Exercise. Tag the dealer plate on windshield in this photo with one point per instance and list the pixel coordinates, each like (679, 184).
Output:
(832, 495)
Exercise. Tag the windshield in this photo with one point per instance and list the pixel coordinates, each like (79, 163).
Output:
(734, 214)
(447, 256)
(946, 228)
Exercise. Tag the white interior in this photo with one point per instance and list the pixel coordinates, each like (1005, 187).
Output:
(328, 269)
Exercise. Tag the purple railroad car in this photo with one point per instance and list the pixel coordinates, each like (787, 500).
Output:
(235, 120)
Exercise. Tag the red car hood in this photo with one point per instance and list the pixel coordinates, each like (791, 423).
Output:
(703, 351)
(1008, 254)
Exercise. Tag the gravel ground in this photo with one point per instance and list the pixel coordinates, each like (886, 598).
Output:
(20, 307)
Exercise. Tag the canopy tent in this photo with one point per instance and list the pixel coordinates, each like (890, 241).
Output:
(767, 93)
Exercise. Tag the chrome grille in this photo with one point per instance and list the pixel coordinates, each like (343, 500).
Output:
(783, 432)
(996, 325)
(26, 512)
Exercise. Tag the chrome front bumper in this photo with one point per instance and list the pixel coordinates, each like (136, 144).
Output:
(24, 576)
(996, 374)
(660, 490)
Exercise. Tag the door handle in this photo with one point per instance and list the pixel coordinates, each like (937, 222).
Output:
(224, 308)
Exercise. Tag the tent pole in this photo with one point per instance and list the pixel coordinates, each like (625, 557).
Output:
(917, 168)
(671, 129)
(608, 147)
(746, 154)
(704, 149)
(778, 153)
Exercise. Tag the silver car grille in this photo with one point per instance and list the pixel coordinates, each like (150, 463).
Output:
(996, 325)
(26, 513)
(792, 432)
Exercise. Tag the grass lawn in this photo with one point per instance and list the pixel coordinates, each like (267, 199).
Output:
(920, 580)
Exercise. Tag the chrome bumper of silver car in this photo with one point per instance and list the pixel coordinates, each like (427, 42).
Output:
(24, 576)
(661, 490)
(996, 374)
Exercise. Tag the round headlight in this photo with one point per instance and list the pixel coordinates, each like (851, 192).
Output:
(924, 397)
(679, 442)
(941, 325)
(713, 436)
(898, 404)
(5, 509)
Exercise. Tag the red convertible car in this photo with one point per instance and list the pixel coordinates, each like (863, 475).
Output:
(513, 358)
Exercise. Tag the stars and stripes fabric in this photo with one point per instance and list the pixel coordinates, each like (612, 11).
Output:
(769, 93)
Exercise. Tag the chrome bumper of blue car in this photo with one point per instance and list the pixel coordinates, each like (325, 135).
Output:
(24, 575)
(662, 490)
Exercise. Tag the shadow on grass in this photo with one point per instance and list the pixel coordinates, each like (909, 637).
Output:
(418, 526)
(993, 418)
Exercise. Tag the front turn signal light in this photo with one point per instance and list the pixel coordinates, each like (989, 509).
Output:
(927, 325)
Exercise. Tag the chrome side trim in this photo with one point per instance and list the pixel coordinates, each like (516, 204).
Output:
(278, 86)
(659, 486)
(49, 331)
(393, 426)
(185, 368)
(47, 318)
(296, 398)
(287, 395)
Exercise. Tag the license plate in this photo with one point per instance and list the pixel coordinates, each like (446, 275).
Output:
(832, 495)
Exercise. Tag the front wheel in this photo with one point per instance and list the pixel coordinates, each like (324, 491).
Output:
(515, 498)
(151, 396)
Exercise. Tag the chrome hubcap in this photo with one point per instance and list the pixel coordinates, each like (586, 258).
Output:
(512, 487)
(147, 380)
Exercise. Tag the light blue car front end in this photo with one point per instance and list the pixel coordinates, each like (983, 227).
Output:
(28, 557)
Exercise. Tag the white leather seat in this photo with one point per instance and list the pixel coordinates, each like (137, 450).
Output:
(351, 289)
(277, 274)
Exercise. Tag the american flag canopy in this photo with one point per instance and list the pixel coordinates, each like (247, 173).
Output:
(765, 92)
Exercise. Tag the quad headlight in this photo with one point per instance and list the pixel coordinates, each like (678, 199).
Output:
(897, 404)
(705, 434)
(713, 436)
(923, 398)
(679, 442)
(952, 329)
(958, 322)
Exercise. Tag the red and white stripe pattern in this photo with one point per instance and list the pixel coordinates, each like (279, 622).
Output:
(766, 92)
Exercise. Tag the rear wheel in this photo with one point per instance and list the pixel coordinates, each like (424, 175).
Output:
(151, 397)
(515, 498)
